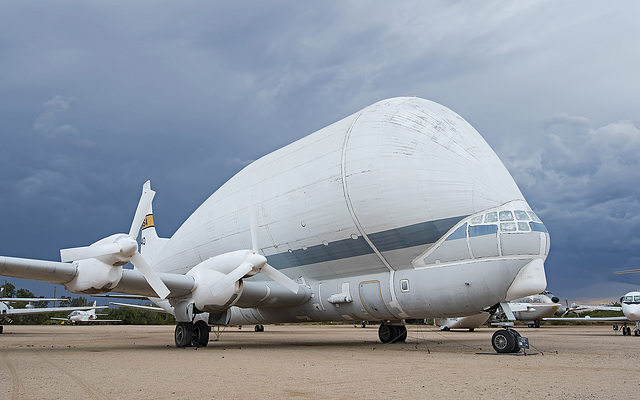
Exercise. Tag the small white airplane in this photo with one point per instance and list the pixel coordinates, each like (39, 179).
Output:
(86, 316)
(399, 211)
(530, 309)
(6, 311)
(629, 305)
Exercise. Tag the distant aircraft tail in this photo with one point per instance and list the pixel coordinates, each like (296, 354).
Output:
(150, 243)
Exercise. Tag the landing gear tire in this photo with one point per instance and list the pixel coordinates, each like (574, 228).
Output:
(1, 329)
(402, 334)
(505, 341)
(392, 334)
(200, 334)
(183, 334)
(258, 328)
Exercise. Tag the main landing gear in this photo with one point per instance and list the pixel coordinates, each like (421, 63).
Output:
(392, 333)
(626, 330)
(506, 341)
(194, 335)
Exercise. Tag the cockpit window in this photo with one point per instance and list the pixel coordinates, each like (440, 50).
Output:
(459, 233)
(636, 298)
(491, 217)
(508, 227)
(506, 216)
(477, 220)
(524, 226)
(628, 298)
(534, 216)
(521, 215)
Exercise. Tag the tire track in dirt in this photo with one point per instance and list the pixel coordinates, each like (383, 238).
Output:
(91, 392)
(16, 386)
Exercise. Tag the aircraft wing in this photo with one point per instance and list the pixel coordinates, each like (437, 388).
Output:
(28, 299)
(590, 319)
(47, 271)
(150, 308)
(578, 308)
(23, 311)
(132, 282)
(103, 320)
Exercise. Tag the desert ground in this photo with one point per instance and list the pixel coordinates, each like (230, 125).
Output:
(313, 361)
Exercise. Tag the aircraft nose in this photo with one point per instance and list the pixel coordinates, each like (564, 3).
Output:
(634, 315)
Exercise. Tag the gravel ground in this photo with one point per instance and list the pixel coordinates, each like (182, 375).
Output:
(313, 361)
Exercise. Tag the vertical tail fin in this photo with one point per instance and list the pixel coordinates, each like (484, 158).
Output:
(150, 243)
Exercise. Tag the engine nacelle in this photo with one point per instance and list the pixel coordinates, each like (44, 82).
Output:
(94, 276)
(227, 262)
(203, 297)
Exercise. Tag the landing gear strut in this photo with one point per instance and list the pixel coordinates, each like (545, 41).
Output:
(392, 333)
(188, 334)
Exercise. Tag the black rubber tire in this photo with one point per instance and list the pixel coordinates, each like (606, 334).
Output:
(504, 341)
(392, 334)
(183, 334)
(401, 334)
(258, 328)
(386, 333)
(200, 335)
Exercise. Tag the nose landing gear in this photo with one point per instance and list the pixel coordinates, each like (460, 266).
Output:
(506, 341)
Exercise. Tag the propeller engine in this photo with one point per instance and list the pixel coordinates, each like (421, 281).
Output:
(219, 279)
(100, 264)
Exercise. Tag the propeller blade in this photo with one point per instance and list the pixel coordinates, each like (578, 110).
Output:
(81, 253)
(231, 278)
(141, 211)
(254, 227)
(279, 277)
(150, 275)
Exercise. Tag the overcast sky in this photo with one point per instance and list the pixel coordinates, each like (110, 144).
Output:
(97, 97)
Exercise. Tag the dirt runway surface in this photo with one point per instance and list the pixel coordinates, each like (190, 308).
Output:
(313, 361)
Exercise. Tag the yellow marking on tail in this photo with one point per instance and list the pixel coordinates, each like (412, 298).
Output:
(148, 222)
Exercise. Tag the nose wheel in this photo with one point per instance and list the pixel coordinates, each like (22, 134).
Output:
(505, 341)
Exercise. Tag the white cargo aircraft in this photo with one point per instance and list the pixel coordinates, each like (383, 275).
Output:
(629, 305)
(399, 211)
(6, 311)
(86, 316)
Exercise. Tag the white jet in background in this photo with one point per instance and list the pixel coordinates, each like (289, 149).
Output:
(86, 316)
(6, 311)
(629, 305)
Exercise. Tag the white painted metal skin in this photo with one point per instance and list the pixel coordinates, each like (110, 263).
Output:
(367, 205)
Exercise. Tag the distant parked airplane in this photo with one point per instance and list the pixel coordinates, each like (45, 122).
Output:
(629, 305)
(6, 311)
(86, 316)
